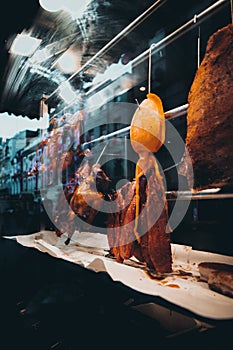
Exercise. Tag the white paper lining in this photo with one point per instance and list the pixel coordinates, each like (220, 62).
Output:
(89, 250)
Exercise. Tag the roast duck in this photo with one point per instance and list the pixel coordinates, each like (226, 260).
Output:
(83, 196)
(137, 224)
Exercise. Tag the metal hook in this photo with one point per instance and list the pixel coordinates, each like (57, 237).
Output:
(137, 103)
(195, 18)
(149, 67)
(231, 2)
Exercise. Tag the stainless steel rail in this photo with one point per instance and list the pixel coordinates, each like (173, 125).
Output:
(116, 39)
(173, 113)
(192, 23)
(195, 21)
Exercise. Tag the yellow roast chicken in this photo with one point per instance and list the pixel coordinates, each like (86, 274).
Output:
(147, 132)
(147, 135)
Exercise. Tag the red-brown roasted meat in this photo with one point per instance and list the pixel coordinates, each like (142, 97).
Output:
(82, 197)
(153, 248)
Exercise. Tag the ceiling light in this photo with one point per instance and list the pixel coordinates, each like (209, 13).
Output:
(67, 63)
(51, 5)
(76, 8)
(24, 45)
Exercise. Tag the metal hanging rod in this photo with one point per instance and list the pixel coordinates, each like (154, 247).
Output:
(186, 27)
(116, 39)
(176, 112)
(173, 113)
(192, 23)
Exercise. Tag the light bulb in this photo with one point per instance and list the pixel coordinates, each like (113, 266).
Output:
(51, 5)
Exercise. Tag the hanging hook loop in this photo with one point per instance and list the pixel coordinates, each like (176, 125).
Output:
(149, 66)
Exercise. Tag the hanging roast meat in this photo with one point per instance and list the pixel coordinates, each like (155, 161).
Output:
(138, 219)
(153, 248)
(140, 229)
(210, 114)
(83, 197)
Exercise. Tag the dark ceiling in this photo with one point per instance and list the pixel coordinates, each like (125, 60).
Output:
(24, 80)
(21, 85)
